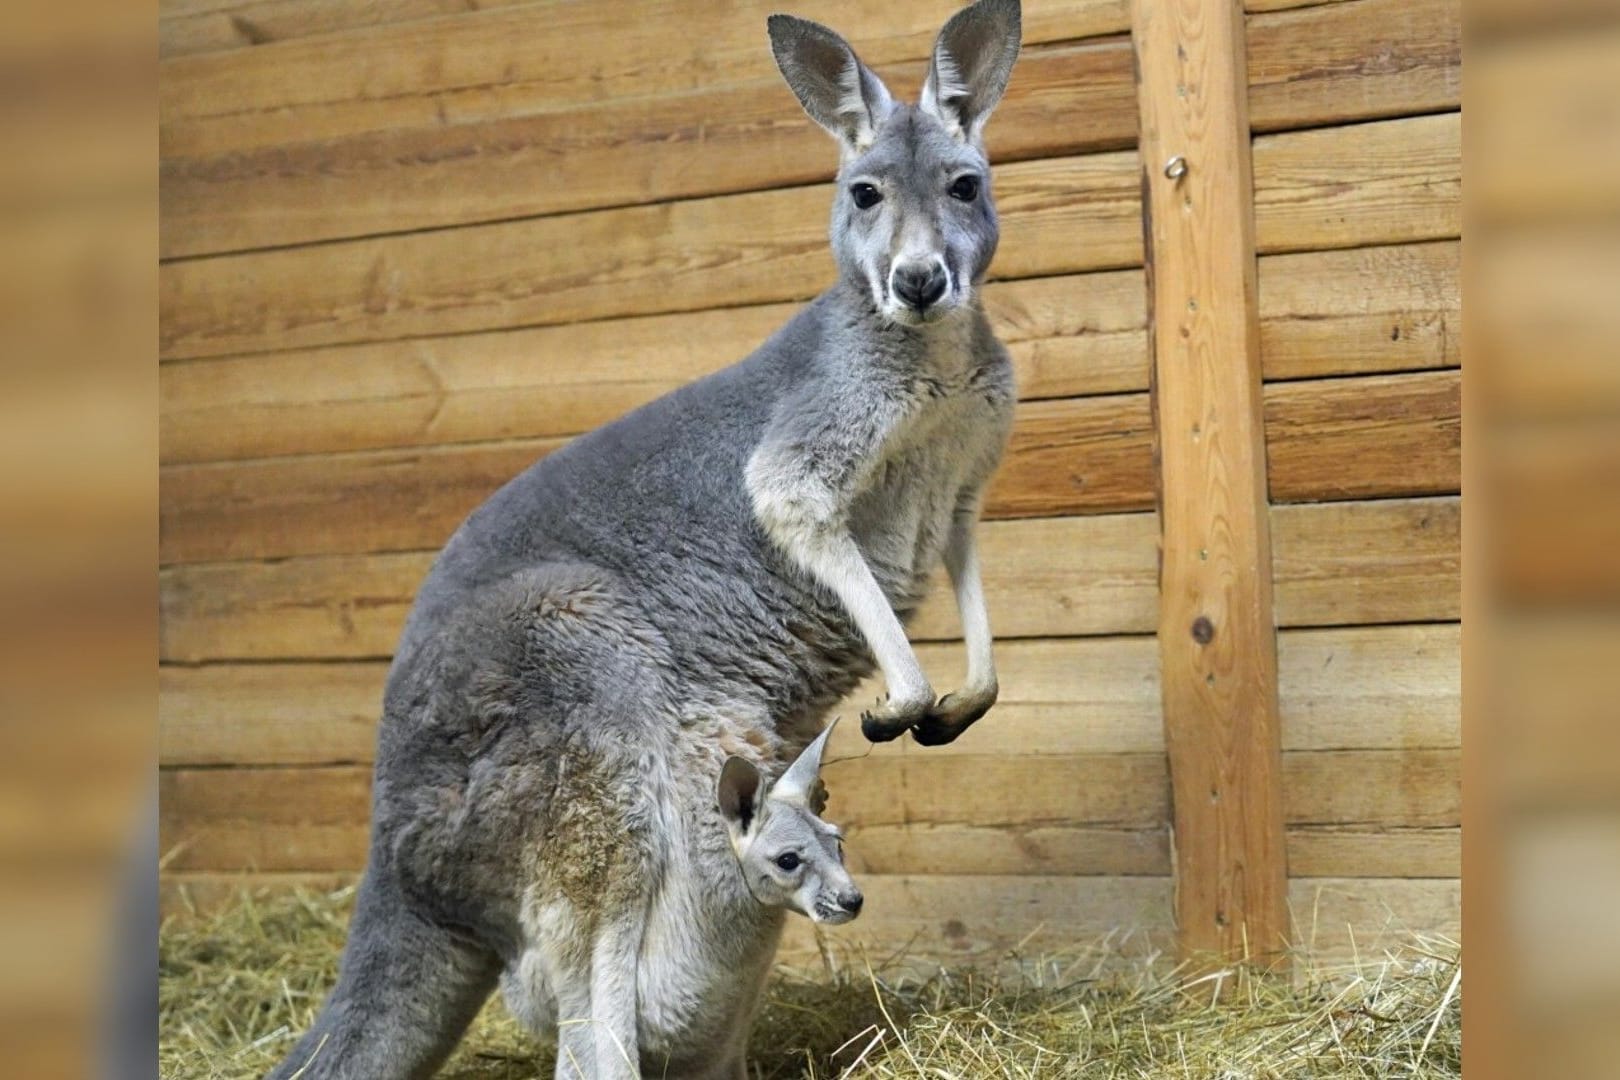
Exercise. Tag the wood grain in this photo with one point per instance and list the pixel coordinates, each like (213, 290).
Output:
(523, 59)
(1217, 641)
(1350, 688)
(224, 819)
(1326, 439)
(1354, 438)
(1384, 561)
(1363, 310)
(723, 251)
(197, 26)
(1083, 334)
(1328, 64)
(1336, 851)
(1066, 100)
(1386, 182)
(1340, 564)
(1073, 455)
(1394, 853)
(1336, 62)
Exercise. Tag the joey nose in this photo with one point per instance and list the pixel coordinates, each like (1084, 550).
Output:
(851, 901)
(919, 285)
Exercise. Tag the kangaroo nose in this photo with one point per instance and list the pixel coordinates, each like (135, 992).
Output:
(919, 284)
(851, 901)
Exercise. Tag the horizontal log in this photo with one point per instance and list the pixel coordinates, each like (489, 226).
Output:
(512, 61)
(1081, 334)
(1386, 853)
(1387, 182)
(1332, 64)
(1073, 455)
(1364, 310)
(1361, 311)
(1375, 687)
(713, 252)
(1335, 564)
(1372, 436)
(1082, 851)
(1256, 6)
(198, 26)
(1344, 564)
(317, 818)
(1066, 100)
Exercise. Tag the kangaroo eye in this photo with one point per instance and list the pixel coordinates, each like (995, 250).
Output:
(788, 861)
(865, 195)
(965, 188)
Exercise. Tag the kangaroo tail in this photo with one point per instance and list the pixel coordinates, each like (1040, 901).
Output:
(407, 990)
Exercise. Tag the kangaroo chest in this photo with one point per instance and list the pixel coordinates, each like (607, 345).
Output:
(942, 456)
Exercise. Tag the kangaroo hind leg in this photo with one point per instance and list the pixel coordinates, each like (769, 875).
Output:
(407, 990)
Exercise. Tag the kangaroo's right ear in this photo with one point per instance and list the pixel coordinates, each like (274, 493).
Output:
(838, 91)
(741, 795)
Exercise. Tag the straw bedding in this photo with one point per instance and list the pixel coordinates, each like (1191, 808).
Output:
(237, 985)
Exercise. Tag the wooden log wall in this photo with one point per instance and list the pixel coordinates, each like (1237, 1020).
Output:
(409, 248)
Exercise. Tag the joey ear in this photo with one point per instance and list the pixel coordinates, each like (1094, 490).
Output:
(741, 794)
(798, 784)
(838, 91)
(972, 60)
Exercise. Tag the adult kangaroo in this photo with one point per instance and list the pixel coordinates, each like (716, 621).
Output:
(700, 579)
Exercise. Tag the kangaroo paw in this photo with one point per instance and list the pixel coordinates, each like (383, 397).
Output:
(890, 719)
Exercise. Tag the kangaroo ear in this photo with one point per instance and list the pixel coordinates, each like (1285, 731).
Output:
(741, 794)
(972, 60)
(798, 784)
(838, 91)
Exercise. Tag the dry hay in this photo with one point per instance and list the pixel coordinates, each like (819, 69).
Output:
(238, 985)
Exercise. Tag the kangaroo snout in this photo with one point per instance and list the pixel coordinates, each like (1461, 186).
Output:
(851, 901)
(919, 285)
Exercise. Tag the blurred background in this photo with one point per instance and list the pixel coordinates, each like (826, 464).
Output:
(1541, 533)
(78, 538)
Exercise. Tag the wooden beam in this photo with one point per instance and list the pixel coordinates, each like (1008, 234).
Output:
(1327, 439)
(1217, 641)
(1327, 64)
(1336, 564)
(1393, 181)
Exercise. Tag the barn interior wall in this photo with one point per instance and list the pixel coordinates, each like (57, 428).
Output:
(407, 250)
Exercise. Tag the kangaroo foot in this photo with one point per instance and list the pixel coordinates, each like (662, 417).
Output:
(953, 714)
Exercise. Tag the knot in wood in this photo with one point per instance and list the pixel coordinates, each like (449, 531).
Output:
(1203, 631)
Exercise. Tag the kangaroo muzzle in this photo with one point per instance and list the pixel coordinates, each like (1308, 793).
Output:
(919, 285)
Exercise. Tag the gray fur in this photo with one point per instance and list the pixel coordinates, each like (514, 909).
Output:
(699, 580)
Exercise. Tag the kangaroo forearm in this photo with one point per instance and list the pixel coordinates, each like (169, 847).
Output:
(962, 563)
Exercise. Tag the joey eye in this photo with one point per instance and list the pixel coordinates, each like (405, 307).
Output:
(865, 195)
(788, 861)
(965, 188)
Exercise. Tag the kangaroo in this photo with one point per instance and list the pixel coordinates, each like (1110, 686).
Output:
(701, 579)
(707, 948)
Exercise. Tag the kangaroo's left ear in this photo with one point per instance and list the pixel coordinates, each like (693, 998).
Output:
(798, 784)
(741, 794)
(973, 58)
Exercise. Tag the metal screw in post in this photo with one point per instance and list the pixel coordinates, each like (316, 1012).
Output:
(1176, 167)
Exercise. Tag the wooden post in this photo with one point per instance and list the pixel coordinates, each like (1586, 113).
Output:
(1217, 640)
